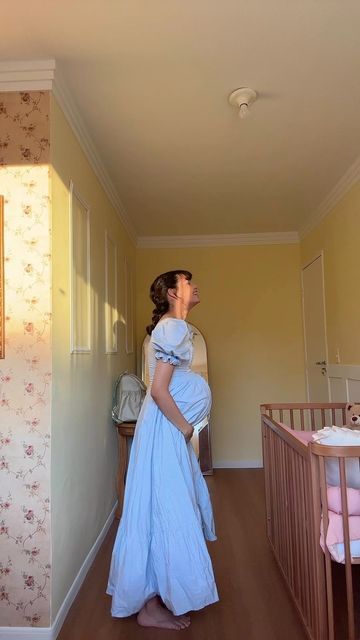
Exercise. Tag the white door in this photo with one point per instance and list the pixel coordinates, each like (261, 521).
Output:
(315, 331)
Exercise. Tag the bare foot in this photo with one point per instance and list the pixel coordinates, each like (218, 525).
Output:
(154, 614)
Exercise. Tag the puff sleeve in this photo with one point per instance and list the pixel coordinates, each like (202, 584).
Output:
(171, 340)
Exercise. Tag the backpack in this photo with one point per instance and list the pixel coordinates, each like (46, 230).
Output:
(128, 396)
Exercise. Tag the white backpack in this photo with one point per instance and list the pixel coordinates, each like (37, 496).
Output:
(128, 396)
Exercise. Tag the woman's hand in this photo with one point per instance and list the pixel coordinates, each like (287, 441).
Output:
(188, 433)
(161, 395)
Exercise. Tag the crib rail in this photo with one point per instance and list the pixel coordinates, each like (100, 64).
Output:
(307, 416)
(296, 501)
(289, 517)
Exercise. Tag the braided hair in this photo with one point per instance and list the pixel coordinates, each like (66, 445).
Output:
(158, 294)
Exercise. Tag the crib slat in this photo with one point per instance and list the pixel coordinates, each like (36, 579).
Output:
(348, 572)
(302, 419)
(292, 418)
(290, 528)
(302, 538)
(312, 414)
(323, 422)
(297, 563)
(304, 534)
(325, 518)
(333, 416)
(283, 537)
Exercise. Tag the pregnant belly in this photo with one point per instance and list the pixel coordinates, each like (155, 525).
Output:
(192, 395)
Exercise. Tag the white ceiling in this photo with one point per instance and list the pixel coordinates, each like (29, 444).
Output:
(151, 80)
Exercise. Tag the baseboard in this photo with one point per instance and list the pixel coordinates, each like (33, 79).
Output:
(51, 633)
(238, 464)
(75, 587)
(25, 633)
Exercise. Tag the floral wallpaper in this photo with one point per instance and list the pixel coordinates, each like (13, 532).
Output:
(25, 373)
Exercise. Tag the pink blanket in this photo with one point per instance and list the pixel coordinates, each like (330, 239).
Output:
(335, 532)
(304, 436)
(353, 500)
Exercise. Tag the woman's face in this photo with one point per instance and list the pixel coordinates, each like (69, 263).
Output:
(188, 292)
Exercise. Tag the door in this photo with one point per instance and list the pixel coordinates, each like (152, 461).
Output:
(315, 331)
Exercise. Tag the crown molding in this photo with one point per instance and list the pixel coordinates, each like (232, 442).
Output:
(27, 75)
(44, 75)
(219, 240)
(345, 183)
(76, 122)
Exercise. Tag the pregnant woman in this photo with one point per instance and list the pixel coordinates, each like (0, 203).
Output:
(160, 566)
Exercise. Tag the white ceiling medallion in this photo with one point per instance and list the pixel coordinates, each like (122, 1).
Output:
(242, 99)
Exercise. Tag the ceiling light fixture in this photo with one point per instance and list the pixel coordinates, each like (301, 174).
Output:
(243, 98)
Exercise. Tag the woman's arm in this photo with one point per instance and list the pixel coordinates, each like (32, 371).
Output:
(164, 400)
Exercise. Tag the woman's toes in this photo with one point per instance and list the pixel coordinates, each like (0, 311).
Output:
(184, 623)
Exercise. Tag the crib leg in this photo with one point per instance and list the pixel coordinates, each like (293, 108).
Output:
(329, 595)
(350, 601)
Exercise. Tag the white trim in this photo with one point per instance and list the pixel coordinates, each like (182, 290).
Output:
(345, 183)
(76, 122)
(238, 464)
(217, 240)
(75, 348)
(27, 75)
(75, 587)
(24, 633)
(51, 633)
(305, 266)
(129, 306)
(351, 371)
(345, 374)
(108, 327)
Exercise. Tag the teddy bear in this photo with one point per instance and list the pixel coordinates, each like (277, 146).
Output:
(353, 415)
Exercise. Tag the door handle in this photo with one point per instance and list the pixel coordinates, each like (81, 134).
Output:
(321, 362)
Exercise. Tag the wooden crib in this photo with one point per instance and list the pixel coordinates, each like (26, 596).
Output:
(296, 498)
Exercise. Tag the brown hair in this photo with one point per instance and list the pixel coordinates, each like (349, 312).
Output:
(158, 294)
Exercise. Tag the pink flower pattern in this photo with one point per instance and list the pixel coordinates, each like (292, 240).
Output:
(25, 373)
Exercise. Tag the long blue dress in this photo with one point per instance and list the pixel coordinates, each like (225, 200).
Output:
(160, 544)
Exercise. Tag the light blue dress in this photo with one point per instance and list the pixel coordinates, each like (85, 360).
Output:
(160, 544)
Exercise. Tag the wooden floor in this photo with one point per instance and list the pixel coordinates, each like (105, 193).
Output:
(254, 603)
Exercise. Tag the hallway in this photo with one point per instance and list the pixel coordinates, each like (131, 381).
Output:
(254, 604)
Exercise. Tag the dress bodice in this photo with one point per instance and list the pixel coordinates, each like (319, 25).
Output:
(171, 341)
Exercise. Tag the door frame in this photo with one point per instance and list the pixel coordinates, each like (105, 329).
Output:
(318, 255)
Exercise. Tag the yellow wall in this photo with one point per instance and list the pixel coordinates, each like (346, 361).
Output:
(338, 235)
(250, 316)
(84, 446)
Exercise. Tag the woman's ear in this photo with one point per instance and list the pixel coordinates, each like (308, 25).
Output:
(172, 294)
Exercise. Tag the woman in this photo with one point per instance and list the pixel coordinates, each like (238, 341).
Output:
(160, 566)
